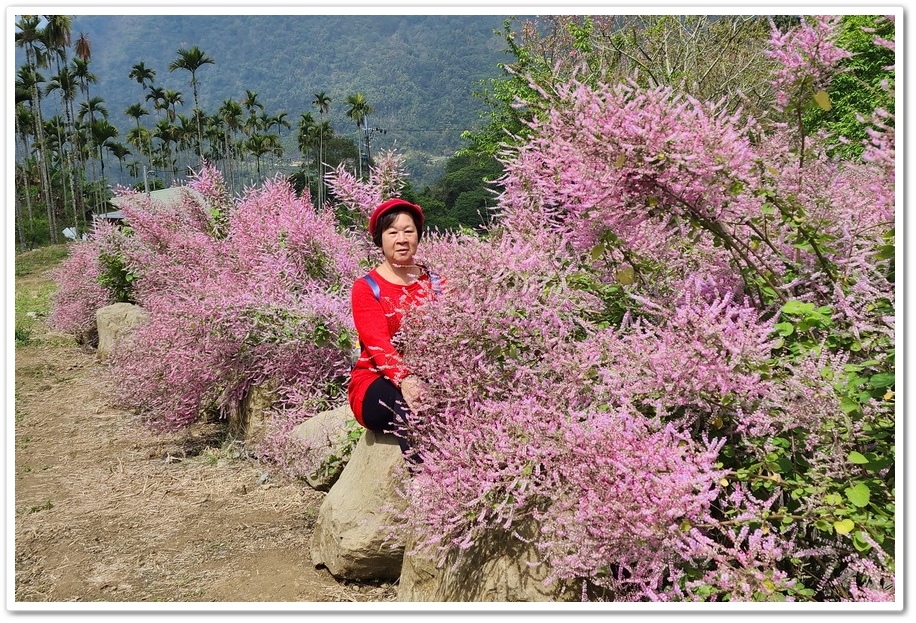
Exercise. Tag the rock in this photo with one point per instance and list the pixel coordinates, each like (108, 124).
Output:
(497, 567)
(116, 322)
(325, 438)
(352, 530)
(248, 418)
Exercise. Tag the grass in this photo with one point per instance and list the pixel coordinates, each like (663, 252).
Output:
(229, 452)
(39, 260)
(37, 509)
(34, 288)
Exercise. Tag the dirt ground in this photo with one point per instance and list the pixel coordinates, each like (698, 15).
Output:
(107, 511)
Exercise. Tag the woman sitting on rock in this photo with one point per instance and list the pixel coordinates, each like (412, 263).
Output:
(382, 391)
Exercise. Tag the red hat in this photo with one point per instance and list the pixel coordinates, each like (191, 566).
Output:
(390, 205)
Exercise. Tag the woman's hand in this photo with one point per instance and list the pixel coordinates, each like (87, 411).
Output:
(412, 390)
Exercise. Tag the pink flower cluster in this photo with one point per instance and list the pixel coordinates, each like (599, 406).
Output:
(384, 181)
(79, 293)
(261, 303)
(807, 57)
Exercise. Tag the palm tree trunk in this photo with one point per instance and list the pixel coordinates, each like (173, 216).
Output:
(71, 170)
(44, 175)
(27, 187)
(19, 217)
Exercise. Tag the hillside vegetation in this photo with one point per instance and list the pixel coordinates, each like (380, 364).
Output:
(417, 72)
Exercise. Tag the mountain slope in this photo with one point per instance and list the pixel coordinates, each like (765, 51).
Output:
(418, 72)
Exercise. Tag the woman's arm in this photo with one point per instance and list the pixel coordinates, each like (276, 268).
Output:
(371, 322)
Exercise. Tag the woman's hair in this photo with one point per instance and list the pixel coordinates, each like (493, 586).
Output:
(385, 221)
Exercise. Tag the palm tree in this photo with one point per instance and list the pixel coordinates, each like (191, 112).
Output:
(191, 60)
(24, 123)
(261, 144)
(323, 102)
(157, 96)
(279, 120)
(92, 111)
(170, 101)
(83, 76)
(359, 111)
(28, 37)
(306, 139)
(101, 132)
(135, 111)
(66, 83)
(140, 138)
(230, 115)
(119, 151)
(91, 107)
(145, 76)
(83, 47)
(213, 134)
(167, 133)
(57, 34)
(185, 133)
(252, 105)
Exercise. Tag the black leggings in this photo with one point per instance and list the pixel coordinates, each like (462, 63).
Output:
(386, 411)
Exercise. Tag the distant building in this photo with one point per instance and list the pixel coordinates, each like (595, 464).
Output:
(164, 196)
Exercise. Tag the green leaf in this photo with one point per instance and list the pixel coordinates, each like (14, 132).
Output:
(848, 406)
(859, 542)
(626, 275)
(784, 328)
(822, 99)
(857, 458)
(783, 465)
(797, 307)
(885, 252)
(844, 526)
(833, 499)
(881, 380)
(859, 494)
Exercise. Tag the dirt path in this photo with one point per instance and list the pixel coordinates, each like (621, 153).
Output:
(106, 511)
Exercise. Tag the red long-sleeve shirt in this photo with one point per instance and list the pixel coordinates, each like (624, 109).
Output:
(377, 321)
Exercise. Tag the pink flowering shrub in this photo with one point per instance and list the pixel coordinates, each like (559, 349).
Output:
(675, 352)
(256, 302)
(79, 292)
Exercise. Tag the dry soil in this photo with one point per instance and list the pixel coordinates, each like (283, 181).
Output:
(109, 511)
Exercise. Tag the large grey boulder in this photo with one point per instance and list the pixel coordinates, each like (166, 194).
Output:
(352, 535)
(326, 445)
(116, 322)
(498, 567)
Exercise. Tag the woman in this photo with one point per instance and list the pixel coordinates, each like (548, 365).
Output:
(382, 391)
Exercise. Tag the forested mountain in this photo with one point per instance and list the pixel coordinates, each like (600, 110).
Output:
(417, 72)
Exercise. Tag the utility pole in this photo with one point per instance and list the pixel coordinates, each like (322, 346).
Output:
(368, 132)
(145, 180)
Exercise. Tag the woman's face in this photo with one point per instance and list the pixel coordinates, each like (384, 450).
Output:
(399, 241)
